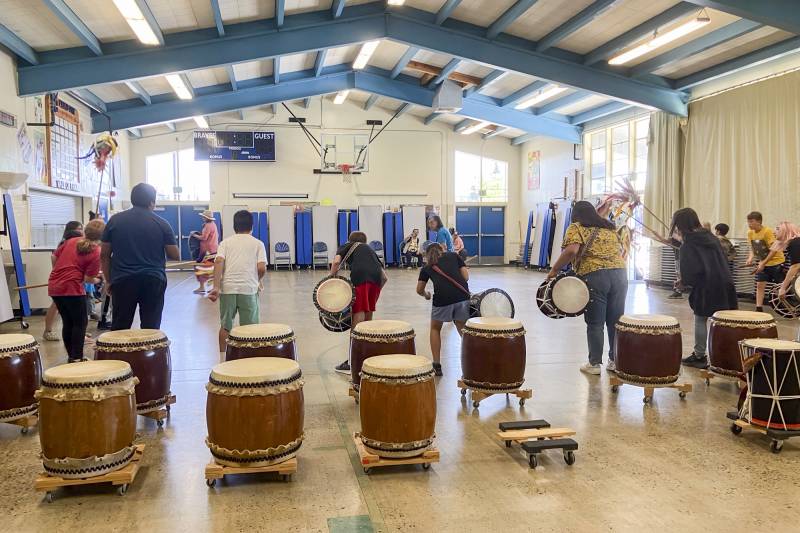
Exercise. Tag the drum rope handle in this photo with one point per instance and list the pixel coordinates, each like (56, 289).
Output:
(746, 411)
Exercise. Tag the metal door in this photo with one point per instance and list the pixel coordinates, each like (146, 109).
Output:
(171, 214)
(492, 234)
(189, 221)
(468, 226)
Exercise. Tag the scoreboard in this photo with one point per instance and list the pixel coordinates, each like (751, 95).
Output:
(234, 145)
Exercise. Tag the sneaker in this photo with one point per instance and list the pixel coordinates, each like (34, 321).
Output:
(676, 295)
(696, 361)
(759, 309)
(199, 291)
(104, 324)
(611, 366)
(589, 368)
(51, 336)
(82, 359)
(437, 369)
(343, 368)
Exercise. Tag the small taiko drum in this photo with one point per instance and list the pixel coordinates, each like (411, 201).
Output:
(333, 297)
(398, 405)
(772, 369)
(727, 329)
(20, 376)
(147, 351)
(648, 349)
(378, 337)
(87, 418)
(254, 411)
(261, 340)
(493, 354)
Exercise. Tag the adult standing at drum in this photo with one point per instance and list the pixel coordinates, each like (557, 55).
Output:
(592, 244)
(787, 237)
(704, 268)
(442, 234)
(208, 240)
(450, 295)
(135, 243)
(367, 276)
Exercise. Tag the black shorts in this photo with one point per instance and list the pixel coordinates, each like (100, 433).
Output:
(774, 274)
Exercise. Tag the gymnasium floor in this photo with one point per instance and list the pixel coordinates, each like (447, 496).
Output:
(673, 464)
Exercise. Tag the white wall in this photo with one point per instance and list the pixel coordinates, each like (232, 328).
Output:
(408, 159)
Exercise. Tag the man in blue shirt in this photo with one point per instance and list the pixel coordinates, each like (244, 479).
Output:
(135, 243)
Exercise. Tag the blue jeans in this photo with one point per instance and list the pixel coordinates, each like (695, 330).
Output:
(608, 289)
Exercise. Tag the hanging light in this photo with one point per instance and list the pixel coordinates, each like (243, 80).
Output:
(341, 96)
(201, 122)
(660, 40)
(475, 127)
(367, 49)
(541, 97)
(130, 11)
(178, 85)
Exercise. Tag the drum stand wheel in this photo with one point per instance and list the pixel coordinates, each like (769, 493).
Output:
(708, 375)
(683, 388)
(369, 460)
(216, 471)
(777, 436)
(536, 436)
(479, 396)
(25, 423)
(353, 393)
(162, 413)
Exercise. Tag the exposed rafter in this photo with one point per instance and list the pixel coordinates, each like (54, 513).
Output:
(507, 18)
(373, 98)
(448, 69)
(273, 108)
(461, 126)
(783, 14)
(170, 126)
(434, 71)
(151, 20)
(407, 56)
(599, 112)
(241, 114)
(516, 141)
(90, 99)
(319, 62)
(276, 69)
(307, 101)
(136, 133)
(137, 88)
(433, 116)
(280, 12)
(488, 80)
(75, 24)
(574, 24)
(403, 109)
(10, 40)
(232, 77)
(218, 17)
(337, 7)
(561, 102)
(494, 133)
(187, 82)
(446, 10)
(524, 93)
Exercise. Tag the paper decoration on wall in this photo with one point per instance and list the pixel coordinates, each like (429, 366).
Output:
(534, 170)
(25, 148)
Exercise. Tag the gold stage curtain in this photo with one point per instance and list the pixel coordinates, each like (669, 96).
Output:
(663, 189)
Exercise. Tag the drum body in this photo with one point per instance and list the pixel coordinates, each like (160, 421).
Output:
(565, 295)
(648, 349)
(254, 411)
(147, 351)
(335, 323)
(397, 405)
(727, 329)
(333, 297)
(20, 376)
(261, 340)
(773, 383)
(491, 302)
(87, 418)
(378, 337)
(493, 354)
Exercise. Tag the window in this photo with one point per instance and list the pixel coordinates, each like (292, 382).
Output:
(178, 171)
(617, 152)
(480, 179)
(598, 163)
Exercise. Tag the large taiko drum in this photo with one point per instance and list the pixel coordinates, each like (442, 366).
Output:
(773, 383)
(20, 376)
(398, 405)
(378, 337)
(727, 329)
(87, 418)
(147, 351)
(648, 349)
(254, 411)
(261, 340)
(493, 354)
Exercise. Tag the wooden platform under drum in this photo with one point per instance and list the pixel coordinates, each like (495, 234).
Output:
(370, 460)
(162, 413)
(216, 471)
(25, 423)
(479, 396)
(683, 388)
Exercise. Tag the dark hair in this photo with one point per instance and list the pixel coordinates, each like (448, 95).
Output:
(357, 236)
(452, 231)
(72, 229)
(586, 215)
(686, 221)
(437, 220)
(243, 221)
(433, 253)
(722, 229)
(755, 215)
(143, 195)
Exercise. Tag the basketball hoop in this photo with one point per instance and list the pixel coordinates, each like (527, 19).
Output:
(347, 174)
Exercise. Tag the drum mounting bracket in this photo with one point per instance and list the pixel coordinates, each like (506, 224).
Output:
(478, 396)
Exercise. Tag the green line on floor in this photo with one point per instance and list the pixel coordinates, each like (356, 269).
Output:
(350, 524)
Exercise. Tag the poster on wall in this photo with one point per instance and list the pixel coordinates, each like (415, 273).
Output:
(534, 170)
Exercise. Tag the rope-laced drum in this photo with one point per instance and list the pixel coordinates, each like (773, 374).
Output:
(397, 405)
(87, 418)
(147, 351)
(333, 297)
(565, 295)
(378, 337)
(727, 329)
(20, 376)
(254, 411)
(647, 349)
(491, 302)
(773, 383)
(493, 354)
(788, 307)
(261, 340)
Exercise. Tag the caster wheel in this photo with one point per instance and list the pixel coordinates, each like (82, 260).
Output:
(647, 399)
(776, 446)
(682, 394)
(463, 392)
(122, 489)
(426, 466)
(508, 444)
(506, 396)
(25, 325)
(211, 482)
(286, 478)
(615, 388)
(475, 404)
(366, 470)
(48, 497)
(708, 382)
(160, 423)
(569, 457)
(532, 460)
(521, 402)
(168, 406)
(735, 429)
(24, 431)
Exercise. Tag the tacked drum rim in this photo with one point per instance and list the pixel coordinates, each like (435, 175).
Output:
(76, 468)
(19, 412)
(397, 450)
(545, 305)
(479, 296)
(328, 278)
(766, 321)
(382, 337)
(655, 381)
(16, 349)
(152, 405)
(492, 388)
(335, 323)
(649, 330)
(260, 388)
(725, 371)
(154, 338)
(494, 334)
(397, 380)
(400, 329)
(94, 391)
(260, 342)
(552, 285)
(264, 457)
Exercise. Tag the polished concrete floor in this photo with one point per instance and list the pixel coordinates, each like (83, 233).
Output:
(672, 465)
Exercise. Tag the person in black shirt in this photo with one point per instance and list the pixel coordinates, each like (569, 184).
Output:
(787, 239)
(366, 274)
(451, 296)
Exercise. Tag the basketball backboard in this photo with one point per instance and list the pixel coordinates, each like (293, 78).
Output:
(344, 149)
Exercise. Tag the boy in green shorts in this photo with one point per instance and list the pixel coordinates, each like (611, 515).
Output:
(240, 264)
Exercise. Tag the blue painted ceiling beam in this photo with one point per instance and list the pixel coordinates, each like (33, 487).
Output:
(507, 18)
(783, 14)
(280, 12)
(218, 18)
(232, 77)
(241, 114)
(337, 7)
(403, 109)
(90, 99)
(574, 24)
(276, 69)
(10, 40)
(188, 83)
(75, 24)
(464, 124)
(516, 141)
(407, 56)
(433, 116)
(274, 108)
(561, 102)
(319, 62)
(137, 88)
(488, 80)
(645, 29)
(151, 20)
(497, 131)
(525, 92)
(598, 112)
(446, 10)
(448, 69)
(700, 44)
(370, 101)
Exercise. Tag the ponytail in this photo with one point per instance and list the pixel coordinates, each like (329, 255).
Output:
(91, 236)
(433, 253)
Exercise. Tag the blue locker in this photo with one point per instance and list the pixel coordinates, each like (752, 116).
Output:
(353, 221)
(342, 227)
(263, 231)
(468, 226)
(218, 222)
(171, 215)
(388, 238)
(398, 236)
(492, 231)
(189, 221)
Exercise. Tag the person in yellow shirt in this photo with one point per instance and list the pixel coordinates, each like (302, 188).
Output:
(770, 261)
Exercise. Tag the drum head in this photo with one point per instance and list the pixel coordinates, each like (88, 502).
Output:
(87, 372)
(131, 336)
(261, 331)
(383, 327)
(255, 370)
(334, 295)
(336, 323)
(788, 307)
(570, 295)
(777, 345)
(736, 315)
(397, 365)
(649, 321)
(494, 323)
(12, 341)
(494, 302)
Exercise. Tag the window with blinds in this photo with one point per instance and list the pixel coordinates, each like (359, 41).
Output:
(49, 213)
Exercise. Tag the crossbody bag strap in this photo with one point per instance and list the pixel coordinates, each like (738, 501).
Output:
(578, 260)
(350, 251)
(451, 280)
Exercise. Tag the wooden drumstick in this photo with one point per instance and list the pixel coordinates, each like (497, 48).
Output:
(32, 286)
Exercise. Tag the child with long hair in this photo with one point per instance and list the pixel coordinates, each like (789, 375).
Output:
(787, 239)
(72, 229)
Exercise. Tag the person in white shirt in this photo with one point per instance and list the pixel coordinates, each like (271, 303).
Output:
(240, 264)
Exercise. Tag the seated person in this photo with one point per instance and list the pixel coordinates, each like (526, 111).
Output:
(458, 244)
(411, 248)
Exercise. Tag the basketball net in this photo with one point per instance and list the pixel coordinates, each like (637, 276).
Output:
(347, 174)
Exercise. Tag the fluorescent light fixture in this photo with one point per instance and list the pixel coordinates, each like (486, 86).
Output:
(395, 2)
(129, 9)
(341, 96)
(660, 40)
(201, 122)
(475, 127)
(541, 97)
(367, 49)
(179, 87)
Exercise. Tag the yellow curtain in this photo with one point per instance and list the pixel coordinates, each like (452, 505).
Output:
(663, 191)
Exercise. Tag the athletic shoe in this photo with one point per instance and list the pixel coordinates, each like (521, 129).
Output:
(696, 361)
(611, 366)
(199, 291)
(51, 336)
(437, 369)
(759, 309)
(343, 368)
(589, 368)
(104, 324)
(676, 295)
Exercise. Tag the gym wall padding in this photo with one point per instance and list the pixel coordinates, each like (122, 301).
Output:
(342, 227)
(263, 232)
(370, 221)
(281, 228)
(302, 232)
(353, 224)
(218, 222)
(398, 235)
(563, 214)
(414, 218)
(388, 238)
(323, 223)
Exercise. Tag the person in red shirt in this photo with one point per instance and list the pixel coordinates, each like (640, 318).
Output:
(77, 262)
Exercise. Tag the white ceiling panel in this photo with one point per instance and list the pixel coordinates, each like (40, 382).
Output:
(584, 105)
(341, 55)
(387, 54)
(156, 85)
(507, 85)
(254, 69)
(35, 24)
(208, 76)
(244, 10)
(178, 15)
(481, 12)
(544, 17)
(296, 62)
(474, 69)
(432, 58)
(103, 18)
(113, 92)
